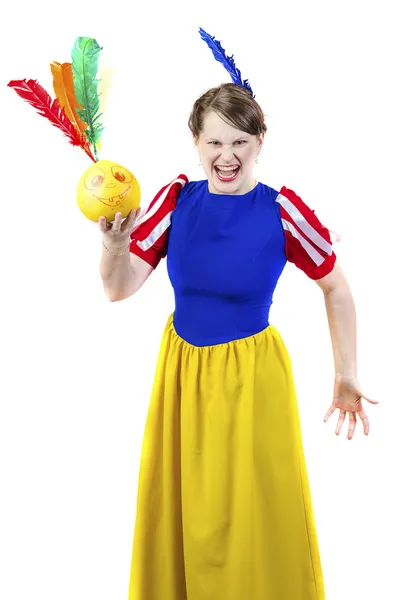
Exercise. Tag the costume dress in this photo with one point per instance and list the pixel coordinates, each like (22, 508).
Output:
(224, 509)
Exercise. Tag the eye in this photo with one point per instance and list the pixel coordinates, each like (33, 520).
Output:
(240, 142)
(119, 176)
(94, 178)
(96, 181)
(213, 143)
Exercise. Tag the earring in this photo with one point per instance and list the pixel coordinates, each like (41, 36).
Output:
(256, 160)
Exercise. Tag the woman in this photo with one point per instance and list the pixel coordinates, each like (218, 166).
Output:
(224, 509)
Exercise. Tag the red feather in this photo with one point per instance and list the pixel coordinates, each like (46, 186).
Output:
(31, 91)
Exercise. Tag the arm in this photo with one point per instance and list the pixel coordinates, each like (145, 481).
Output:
(308, 245)
(341, 316)
(124, 275)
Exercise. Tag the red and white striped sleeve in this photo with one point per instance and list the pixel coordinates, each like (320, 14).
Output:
(307, 241)
(149, 238)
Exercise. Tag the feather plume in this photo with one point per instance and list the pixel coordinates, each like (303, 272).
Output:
(64, 90)
(31, 91)
(85, 56)
(227, 61)
(106, 76)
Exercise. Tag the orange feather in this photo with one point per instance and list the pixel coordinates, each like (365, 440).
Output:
(64, 90)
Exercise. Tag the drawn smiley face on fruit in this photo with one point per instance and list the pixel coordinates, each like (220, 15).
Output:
(106, 188)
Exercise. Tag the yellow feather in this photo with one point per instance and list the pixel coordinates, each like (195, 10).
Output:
(106, 76)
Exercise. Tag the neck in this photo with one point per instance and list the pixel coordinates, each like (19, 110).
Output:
(241, 191)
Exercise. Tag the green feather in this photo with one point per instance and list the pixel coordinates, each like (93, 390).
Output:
(85, 56)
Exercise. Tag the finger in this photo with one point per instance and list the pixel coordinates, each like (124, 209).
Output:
(329, 412)
(369, 400)
(352, 425)
(364, 417)
(360, 395)
(102, 223)
(128, 221)
(117, 223)
(137, 215)
(341, 420)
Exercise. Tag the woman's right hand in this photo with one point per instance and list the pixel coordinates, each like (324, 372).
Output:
(117, 234)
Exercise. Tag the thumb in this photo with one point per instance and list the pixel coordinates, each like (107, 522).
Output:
(369, 400)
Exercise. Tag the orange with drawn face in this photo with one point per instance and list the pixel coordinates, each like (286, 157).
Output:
(107, 188)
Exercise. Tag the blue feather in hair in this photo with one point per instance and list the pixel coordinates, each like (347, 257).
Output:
(227, 61)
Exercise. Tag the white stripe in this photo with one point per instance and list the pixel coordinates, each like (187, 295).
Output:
(303, 224)
(145, 214)
(312, 252)
(156, 233)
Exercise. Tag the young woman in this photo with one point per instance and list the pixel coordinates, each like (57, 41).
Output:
(224, 509)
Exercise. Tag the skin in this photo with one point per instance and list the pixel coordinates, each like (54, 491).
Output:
(341, 313)
(222, 144)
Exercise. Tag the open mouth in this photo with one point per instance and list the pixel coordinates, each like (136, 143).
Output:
(114, 200)
(227, 173)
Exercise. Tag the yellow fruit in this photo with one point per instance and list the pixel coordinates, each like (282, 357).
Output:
(106, 188)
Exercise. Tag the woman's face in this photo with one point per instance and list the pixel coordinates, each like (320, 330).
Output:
(227, 156)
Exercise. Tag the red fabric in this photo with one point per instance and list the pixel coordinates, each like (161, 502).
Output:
(148, 232)
(308, 241)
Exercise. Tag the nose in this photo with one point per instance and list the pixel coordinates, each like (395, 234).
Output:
(227, 154)
(110, 185)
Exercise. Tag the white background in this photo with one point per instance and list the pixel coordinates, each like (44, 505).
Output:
(78, 370)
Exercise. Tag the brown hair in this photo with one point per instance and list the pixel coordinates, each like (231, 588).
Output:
(233, 103)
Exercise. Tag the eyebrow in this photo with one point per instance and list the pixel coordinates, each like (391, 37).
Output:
(243, 137)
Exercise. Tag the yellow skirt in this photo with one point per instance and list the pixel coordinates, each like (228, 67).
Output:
(224, 509)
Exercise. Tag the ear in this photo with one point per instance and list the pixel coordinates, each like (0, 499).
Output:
(195, 141)
(260, 140)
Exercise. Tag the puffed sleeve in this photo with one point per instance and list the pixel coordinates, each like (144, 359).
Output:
(307, 241)
(149, 238)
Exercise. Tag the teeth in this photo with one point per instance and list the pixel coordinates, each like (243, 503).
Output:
(114, 199)
(227, 169)
(227, 172)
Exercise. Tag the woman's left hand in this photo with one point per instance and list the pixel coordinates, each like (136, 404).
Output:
(347, 397)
